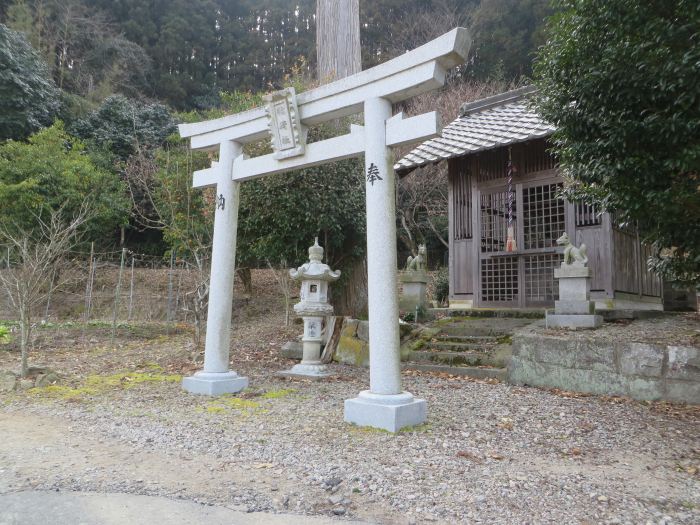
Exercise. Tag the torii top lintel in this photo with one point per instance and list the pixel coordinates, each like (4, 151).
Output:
(403, 77)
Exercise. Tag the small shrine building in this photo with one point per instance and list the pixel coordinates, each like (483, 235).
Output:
(501, 173)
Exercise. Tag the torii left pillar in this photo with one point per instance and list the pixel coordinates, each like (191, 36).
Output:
(216, 377)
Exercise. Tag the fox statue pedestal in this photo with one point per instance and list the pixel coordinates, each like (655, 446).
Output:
(574, 309)
(414, 282)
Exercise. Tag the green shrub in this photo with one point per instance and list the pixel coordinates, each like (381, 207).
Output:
(5, 336)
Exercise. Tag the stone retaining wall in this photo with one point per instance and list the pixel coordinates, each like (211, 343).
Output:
(599, 365)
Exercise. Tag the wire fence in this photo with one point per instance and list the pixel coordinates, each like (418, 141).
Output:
(116, 286)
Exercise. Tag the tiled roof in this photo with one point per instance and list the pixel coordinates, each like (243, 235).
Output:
(485, 124)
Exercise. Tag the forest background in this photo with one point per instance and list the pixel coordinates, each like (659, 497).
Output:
(104, 83)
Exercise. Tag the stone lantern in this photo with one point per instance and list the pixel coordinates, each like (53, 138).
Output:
(313, 308)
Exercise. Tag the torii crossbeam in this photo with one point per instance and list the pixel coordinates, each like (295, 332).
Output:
(385, 405)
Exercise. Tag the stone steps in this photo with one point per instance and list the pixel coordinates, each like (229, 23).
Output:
(468, 339)
(469, 371)
(474, 345)
(459, 358)
(449, 346)
(513, 313)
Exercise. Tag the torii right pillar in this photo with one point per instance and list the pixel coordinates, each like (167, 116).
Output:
(385, 405)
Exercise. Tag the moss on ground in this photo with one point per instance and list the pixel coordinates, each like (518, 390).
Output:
(278, 393)
(228, 402)
(424, 427)
(505, 339)
(97, 384)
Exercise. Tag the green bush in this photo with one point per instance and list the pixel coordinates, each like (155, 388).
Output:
(4, 335)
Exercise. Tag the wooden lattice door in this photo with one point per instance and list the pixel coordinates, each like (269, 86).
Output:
(524, 278)
(499, 270)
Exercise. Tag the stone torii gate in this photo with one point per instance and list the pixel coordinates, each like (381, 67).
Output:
(286, 117)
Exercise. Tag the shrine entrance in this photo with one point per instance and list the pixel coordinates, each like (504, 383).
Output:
(499, 274)
(525, 277)
(284, 121)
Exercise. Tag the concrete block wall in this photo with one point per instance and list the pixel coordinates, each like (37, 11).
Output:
(596, 365)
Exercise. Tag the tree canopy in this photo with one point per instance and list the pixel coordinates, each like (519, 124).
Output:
(123, 126)
(619, 80)
(52, 171)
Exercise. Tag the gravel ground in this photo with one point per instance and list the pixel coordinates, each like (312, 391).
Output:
(490, 452)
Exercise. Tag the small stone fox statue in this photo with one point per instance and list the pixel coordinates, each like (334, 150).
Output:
(572, 255)
(417, 263)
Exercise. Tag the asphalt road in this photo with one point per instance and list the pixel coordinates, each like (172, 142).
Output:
(81, 508)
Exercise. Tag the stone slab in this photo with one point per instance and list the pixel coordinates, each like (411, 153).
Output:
(367, 412)
(292, 350)
(8, 381)
(573, 322)
(212, 384)
(599, 366)
(574, 307)
(349, 327)
(352, 351)
(641, 359)
(683, 391)
(684, 363)
(363, 331)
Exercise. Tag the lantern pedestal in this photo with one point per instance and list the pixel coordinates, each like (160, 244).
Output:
(390, 412)
(311, 366)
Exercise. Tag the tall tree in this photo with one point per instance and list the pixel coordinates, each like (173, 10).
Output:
(85, 53)
(338, 52)
(506, 36)
(619, 79)
(28, 97)
(337, 39)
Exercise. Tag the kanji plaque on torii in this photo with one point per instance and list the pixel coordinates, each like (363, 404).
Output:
(385, 405)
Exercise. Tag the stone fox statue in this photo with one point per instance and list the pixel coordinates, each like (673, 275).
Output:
(417, 263)
(573, 255)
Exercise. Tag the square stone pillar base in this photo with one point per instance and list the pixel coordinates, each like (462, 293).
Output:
(573, 321)
(214, 384)
(388, 412)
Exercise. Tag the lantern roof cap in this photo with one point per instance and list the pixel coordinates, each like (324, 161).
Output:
(315, 268)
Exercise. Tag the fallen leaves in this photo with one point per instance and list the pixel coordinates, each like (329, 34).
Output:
(471, 456)
(506, 423)
(450, 377)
